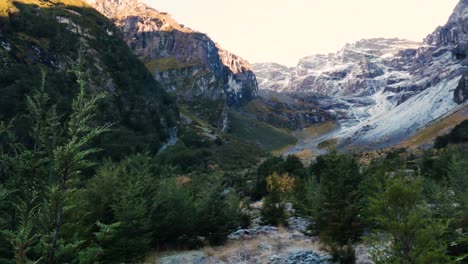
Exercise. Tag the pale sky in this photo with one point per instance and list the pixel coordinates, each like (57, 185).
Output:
(285, 31)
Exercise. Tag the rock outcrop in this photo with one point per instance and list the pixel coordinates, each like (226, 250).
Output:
(461, 92)
(206, 78)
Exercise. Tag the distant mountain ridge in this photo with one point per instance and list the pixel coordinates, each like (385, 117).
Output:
(382, 90)
(206, 78)
(354, 70)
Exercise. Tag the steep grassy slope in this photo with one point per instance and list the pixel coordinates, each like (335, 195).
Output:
(259, 133)
(46, 38)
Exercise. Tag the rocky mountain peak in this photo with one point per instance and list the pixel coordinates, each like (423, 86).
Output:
(376, 47)
(152, 18)
(455, 31)
(350, 71)
(205, 77)
(460, 12)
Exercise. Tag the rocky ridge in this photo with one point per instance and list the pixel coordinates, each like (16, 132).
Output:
(358, 69)
(206, 78)
(381, 90)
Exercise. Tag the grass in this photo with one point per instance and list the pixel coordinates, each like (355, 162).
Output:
(248, 250)
(328, 144)
(259, 133)
(316, 130)
(306, 155)
(438, 128)
(43, 43)
(257, 107)
(165, 64)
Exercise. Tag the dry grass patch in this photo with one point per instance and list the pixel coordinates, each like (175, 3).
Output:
(328, 144)
(306, 155)
(438, 128)
(260, 247)
(316, 130)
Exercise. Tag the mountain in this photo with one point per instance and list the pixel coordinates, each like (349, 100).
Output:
(40, 42)
(357, 69)
(381, 90)
(204, 77)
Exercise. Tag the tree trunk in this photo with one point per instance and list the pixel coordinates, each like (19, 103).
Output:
(58, 226)
(58, 222)
(20, 255)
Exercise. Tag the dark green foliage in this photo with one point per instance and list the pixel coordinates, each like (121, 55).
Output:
(140, 109)
(184, 214)
(192, 139)
(41, 173)
(218, 212)
(279, 189)
(133, 235)
(174, 215)
(458, 195)
(291, 165)
(459, 134)
(273, 211)
(185, 158)
(406, 232)
(196, 153)
(337, 211)
(258, 133)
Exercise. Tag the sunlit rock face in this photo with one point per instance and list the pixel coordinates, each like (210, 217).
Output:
(188, 63)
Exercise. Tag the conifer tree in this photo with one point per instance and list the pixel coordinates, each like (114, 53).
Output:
(72, 156)
(337, 209)
(406, 231)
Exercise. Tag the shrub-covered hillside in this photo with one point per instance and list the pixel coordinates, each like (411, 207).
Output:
(40, 41)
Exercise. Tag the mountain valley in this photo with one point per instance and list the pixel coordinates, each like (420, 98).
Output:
(127, 137)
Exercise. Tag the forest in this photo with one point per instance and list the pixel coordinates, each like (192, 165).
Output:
(63, 201)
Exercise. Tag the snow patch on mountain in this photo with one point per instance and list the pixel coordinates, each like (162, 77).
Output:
(398, 123)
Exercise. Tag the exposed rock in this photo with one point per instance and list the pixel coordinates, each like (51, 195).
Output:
(299, 224)
(194, 257)
(461, 92)
(188, 63)
(362, 255)
(301, 257)
(253, 232)
(284, 111)
(357, 69)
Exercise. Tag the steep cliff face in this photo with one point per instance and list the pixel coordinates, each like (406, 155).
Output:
(452, 38)
(206, 78)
